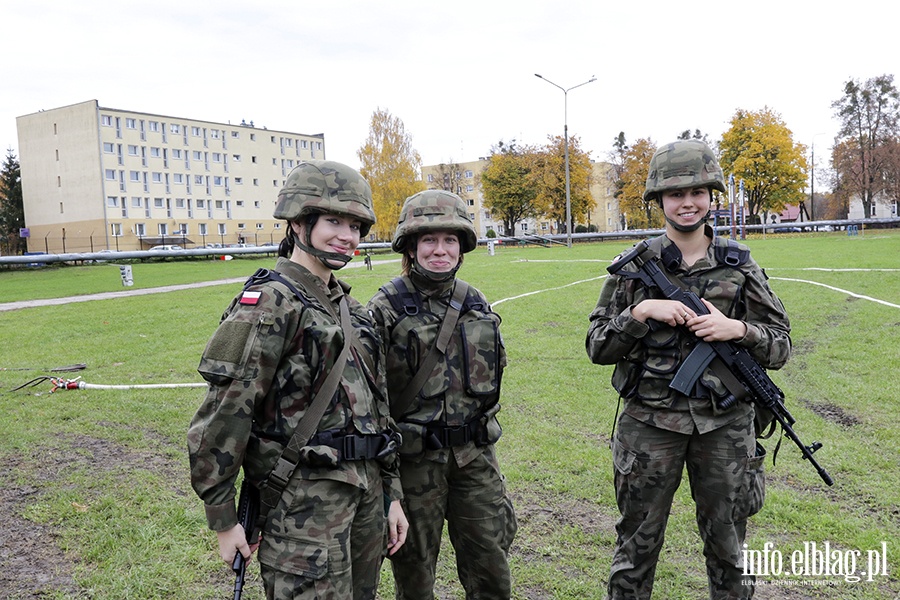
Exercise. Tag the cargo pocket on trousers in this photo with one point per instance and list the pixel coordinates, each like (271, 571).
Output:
(301, 557)
(628, 493)
(751, 501)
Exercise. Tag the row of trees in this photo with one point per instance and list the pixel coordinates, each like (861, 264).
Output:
(12, 213)
(758, 149)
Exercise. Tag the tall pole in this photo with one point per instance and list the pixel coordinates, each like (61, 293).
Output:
(566, 139)
(812, 175)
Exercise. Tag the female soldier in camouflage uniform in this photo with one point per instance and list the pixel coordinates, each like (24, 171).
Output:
(660, 430)
(448, 465)
(277, 341)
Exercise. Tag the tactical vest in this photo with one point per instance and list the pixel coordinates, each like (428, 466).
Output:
(650, 367)
(360, 421)
(464, 386)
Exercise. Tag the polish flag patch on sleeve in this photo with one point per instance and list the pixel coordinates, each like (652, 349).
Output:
(250, 298)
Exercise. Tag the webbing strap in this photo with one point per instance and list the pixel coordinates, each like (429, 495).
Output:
(460, 289)
(306, 428)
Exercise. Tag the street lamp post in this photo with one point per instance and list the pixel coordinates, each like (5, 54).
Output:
(566, 139)
(812, 176)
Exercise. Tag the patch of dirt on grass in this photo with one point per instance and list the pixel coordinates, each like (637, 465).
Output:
(832, 413)
(32, 564)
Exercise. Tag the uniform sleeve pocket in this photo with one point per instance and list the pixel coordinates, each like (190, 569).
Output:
(306, 558)
(234, 349)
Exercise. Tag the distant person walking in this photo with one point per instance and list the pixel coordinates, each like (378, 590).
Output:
(268, 365)
(660, 430)
(445, 359)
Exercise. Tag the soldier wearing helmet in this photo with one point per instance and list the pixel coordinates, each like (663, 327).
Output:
(325, 463)
(445, 359)
(660, 430)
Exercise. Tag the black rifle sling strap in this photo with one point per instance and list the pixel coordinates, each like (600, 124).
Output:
(306, 428)
(401, 405)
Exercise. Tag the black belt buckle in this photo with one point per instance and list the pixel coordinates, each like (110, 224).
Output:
(456, 436)
(349, 447)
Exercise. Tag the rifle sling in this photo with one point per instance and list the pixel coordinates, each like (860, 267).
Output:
(451, 317)
(306, 428)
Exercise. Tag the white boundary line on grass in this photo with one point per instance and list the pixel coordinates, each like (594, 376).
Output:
(837, 289)
(830, 287)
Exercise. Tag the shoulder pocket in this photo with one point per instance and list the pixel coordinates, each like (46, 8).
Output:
(234, 349)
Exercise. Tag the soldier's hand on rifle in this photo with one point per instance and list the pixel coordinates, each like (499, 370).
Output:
(398, 526)
(716, 327)
(231, 542)
(671, 312)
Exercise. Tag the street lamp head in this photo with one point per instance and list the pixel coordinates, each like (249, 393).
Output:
(537, 75)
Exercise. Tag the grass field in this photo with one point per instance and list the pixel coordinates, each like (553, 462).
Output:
(95, 491)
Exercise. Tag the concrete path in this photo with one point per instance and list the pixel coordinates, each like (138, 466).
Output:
(7, 306)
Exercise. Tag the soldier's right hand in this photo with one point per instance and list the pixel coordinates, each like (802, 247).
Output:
(231, 542)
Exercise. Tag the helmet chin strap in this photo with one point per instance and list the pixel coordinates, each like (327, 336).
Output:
(324, 257)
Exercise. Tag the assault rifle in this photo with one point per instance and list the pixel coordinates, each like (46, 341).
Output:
(248, 511)
(747, 378)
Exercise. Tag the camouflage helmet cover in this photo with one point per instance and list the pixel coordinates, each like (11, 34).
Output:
(434, 210)
(325, 186)
(683, 164)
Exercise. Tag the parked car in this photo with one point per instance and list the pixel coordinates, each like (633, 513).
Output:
(167, 247)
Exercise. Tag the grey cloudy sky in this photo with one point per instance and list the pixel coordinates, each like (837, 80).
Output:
(459, 74)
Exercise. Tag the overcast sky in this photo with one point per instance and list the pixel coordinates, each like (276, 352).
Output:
(458, 73)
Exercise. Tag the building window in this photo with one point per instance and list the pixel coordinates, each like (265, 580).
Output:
(235, 134)
(202, 230)
(305, 144)
(106, 121)
(239, 203)
(140, 229)
(154, 152)
(197, 155)
(222, 230)
(238, 181)
(130, 124)
(175, 128)
(109, 148)
(110, 174)
(253, 159)
(179, 202)
(201, 203)
(198, 179)
(220, 204)
(430, 178)
(158, 203)
(177, 178)
(163, 228)
(157, 177)
(214, 134)
(255, 181)
(182, 229)
(176, 153)
(236, 157)
(252, 137)
(468, 174)
(153, 126)
(134, 176)
(132, 150)
(195, 131)
(216, 157)
(256, 204)
(217, 180)
(115, 229)
(470, 188)
(112, 202)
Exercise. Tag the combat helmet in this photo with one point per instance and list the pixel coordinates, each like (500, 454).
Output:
(326, 186)
(434, 210)
(683, 164)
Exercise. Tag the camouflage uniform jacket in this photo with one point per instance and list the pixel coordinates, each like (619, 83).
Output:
(263, 363)
(647, 358)
(465, 384)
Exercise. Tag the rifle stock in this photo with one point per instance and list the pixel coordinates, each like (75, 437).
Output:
(758, 386)
(248, 511)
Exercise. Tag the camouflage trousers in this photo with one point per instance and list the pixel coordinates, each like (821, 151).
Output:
(328, 543)
(480, 520)
(727, 485)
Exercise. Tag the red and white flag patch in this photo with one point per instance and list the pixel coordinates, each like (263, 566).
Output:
(250, 298)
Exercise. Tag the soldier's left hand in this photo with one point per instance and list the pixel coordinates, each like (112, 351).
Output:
(716, 327)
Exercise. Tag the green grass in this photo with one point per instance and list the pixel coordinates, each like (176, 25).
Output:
(108, 471)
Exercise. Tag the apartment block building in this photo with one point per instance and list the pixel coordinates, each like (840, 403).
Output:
(95, 177)
(463, 180)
